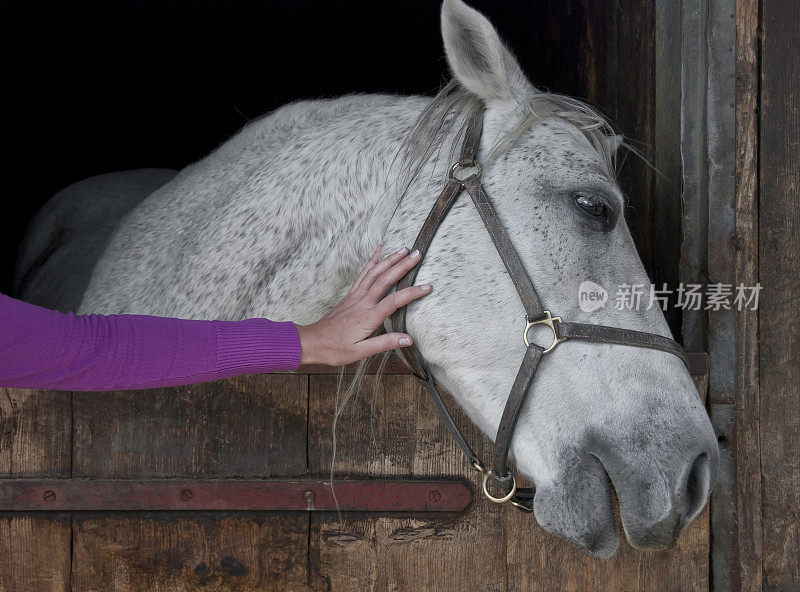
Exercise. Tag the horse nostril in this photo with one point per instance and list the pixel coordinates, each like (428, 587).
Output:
(698, 482)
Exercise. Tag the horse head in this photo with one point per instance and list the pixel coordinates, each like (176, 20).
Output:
(598, 416)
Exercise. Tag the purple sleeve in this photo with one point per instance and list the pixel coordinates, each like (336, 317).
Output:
(41, 348)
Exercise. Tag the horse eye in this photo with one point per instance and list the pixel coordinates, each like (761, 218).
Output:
(591, 205)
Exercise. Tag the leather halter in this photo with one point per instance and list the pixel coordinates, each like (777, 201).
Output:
(534, 315)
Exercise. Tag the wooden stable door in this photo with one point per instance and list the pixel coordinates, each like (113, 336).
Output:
(259, 429)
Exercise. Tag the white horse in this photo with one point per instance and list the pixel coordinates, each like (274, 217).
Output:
(278, 221)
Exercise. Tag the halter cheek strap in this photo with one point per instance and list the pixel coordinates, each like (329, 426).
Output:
(534, 315)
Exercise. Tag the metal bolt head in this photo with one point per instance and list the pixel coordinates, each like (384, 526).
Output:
(49, 495)
(434, 496)
(186, 495)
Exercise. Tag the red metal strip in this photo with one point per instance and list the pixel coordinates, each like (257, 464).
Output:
(129, 495)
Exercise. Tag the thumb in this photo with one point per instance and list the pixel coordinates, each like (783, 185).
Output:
(382, 343)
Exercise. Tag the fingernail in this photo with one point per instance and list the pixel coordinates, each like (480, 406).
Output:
(425, 287)
(403, 250)
(414, 254)
(405, 341)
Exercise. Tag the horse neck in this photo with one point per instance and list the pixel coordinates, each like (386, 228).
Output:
(349, 205)
(301, 198)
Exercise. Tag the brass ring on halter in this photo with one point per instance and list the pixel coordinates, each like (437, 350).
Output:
(548, 320)
(466, 164)
(499, 500)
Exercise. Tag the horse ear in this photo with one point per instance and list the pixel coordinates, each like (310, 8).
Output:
(477, 57)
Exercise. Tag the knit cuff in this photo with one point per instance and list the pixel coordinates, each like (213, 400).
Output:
(256, 346)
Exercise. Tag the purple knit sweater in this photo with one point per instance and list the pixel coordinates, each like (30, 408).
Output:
(45, 349)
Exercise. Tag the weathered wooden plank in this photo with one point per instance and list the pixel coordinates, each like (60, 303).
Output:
(251, 426)
(247, 427)
(718, 153)
(747, 390)
(694, 160)
(34, 553)
(34, 442)
(34, 433)
(634, 112)
(264, 552)
(396, 432)
(667, 215)
(779, 274)
(544, 563)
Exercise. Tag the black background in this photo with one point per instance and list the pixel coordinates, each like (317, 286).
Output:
(92, 87)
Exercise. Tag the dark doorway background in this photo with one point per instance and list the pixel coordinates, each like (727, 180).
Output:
(96, 86)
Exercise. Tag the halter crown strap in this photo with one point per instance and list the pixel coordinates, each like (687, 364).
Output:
(535, 314)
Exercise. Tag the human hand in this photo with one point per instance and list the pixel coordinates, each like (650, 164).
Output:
(343, 335)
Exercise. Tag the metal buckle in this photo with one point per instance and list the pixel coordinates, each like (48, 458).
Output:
(498, 500)
(548, 320)
(486, 474)
(466, 164)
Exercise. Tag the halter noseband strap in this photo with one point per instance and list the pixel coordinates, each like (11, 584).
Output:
(535, 315)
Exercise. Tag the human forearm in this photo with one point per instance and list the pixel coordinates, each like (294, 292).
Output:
(41, 348)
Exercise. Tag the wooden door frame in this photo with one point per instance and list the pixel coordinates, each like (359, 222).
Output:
(707, 81)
